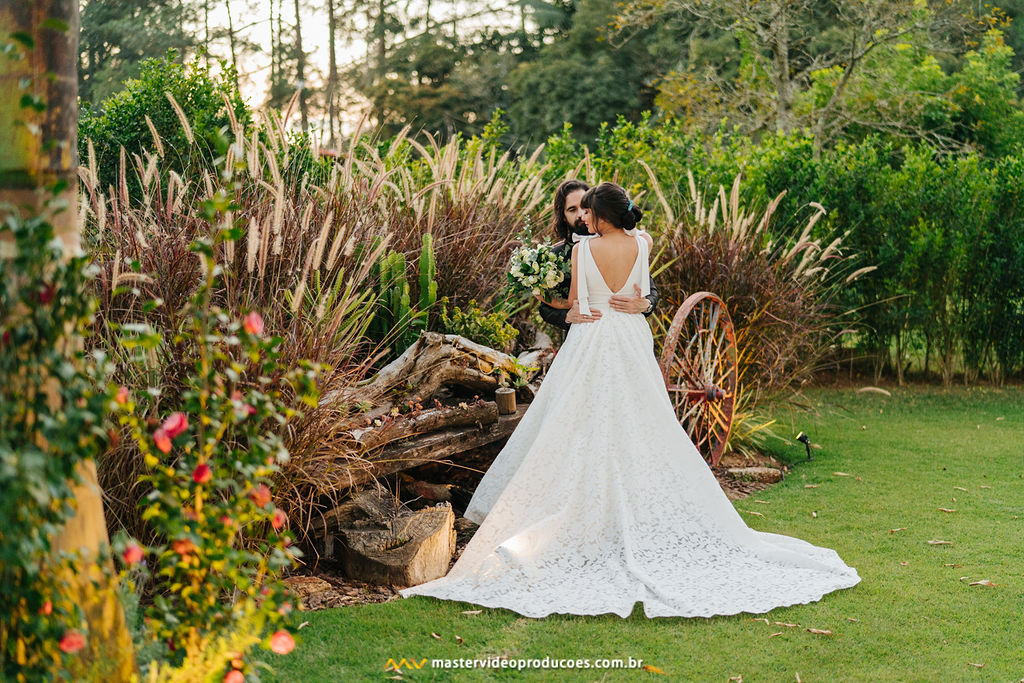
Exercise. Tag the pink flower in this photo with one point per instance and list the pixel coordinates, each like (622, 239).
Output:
(260, 495)
(175, 424)
(282, 642)
(132, 553)
(202, 473)
(253, 323)
(234, 676)
(285, 608)
(46, 609)
(122, 395)
(279, 519)
(73, 641)
(163, 440)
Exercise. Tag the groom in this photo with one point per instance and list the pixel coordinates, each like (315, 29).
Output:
(566, 221)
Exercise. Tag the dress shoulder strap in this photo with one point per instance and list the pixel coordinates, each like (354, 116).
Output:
(645, 262)
(582, 290)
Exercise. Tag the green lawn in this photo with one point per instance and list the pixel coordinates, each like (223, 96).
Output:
(913, 617)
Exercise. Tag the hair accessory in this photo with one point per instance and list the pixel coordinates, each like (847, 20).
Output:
(630, 207)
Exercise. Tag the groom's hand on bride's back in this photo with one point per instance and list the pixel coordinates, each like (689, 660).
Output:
(630, 304)
(574, 316)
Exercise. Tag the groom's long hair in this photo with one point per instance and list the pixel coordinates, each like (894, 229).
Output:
(559, 225)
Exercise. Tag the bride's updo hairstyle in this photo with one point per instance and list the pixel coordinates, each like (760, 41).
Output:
(610, 202)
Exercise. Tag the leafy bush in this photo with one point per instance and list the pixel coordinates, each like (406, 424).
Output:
(142, 118)
(473, 323)
(54, 400)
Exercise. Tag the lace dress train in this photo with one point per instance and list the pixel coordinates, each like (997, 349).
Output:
(599, 499)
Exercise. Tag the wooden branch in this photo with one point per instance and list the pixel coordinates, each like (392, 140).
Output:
(433, 447)
(430, 420)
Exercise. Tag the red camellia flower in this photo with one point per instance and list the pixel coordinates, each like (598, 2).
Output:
(260, 495)
(163, 441)
(7, 337)
(282, 642)
(132, 553)
(253, 323)
(279, 519)
(183, 547)
(46, 609)
(122, 395)
(46, 294)
(234, 676)
(202, 473)
(175, 424)
(73, 641)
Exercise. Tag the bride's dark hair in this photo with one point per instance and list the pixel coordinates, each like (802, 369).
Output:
(610, 202)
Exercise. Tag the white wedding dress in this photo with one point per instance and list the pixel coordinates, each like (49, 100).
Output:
(599, 499)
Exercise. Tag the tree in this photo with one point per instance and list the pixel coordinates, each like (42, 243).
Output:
(784, 43)
(38, 158)
(118, 35)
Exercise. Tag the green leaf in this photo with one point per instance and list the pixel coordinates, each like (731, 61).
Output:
(24, 38)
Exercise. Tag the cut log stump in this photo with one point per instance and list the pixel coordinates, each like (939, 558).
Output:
(391, 545)
(416, 548)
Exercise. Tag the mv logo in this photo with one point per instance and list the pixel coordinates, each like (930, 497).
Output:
(407, 663)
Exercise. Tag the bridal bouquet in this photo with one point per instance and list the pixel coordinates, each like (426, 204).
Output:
(536, 270)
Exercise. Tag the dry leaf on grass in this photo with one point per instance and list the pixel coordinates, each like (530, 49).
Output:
(814, 514)
(811, 486)
(976, 666)
(777, 633)
(458, 639)
(473, 611)
(798, 677)
(783, 623)
(303, 625)
(985, 487)
(760, 619)
(751, 512)
(938, 542)
(841, 474)
(737, 679)
(947, 509)
(959, 488)
(904, 564)
(820, 631)
(949, 564)
(653, 669)
(434, 635)
(762, 502)
(852, 619)
(982, 582)
(902, 528)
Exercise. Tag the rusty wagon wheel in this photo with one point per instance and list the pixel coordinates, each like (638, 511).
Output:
(698, 362)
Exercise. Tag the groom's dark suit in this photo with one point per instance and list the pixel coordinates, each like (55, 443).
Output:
(556, 316)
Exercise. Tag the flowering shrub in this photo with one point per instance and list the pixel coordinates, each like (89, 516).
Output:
(222, 542)
(47, 427)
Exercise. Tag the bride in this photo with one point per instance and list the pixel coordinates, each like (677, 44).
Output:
(599, 499)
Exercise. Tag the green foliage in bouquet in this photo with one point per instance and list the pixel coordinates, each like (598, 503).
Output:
(473, 323)
(53, 403)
